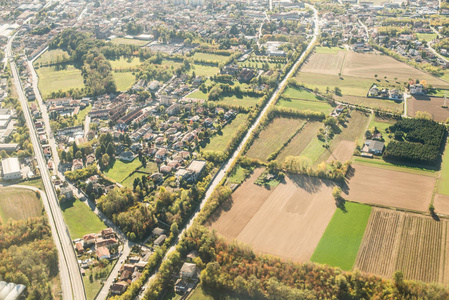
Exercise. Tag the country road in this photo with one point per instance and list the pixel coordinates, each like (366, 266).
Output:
(225, 167)
(71, 280)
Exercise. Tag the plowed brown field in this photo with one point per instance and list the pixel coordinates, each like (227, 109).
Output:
(325, 63)
(431, 105)
(287, 221)
(417, 245)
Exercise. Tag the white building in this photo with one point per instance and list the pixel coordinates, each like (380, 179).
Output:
(416, 88)
(11, 168)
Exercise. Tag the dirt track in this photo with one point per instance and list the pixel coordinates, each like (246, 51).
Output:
(390, 188)
(287, 222)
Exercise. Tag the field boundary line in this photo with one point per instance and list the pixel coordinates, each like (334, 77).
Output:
(407, 210)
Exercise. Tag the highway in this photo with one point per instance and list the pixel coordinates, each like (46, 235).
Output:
(225, 167)
(71, 280)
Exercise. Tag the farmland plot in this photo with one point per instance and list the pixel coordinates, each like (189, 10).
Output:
(414, 244)
(432, 105)
(326, 63)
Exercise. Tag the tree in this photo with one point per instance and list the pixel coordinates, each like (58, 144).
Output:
(336, 193)
(423, 115)
(3, 154)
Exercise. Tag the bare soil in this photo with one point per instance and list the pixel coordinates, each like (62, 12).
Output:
(368, 184)
(412, 243)
(441, 203)
(343, 152)
(287, 221)
(431, 105)
(325, 63)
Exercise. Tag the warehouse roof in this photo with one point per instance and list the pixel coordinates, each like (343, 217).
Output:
(10, 165)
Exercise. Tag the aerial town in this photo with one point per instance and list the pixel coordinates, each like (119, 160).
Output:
(210, 149)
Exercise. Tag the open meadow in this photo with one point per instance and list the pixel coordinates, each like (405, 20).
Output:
(432, 105)
(239, 100)
(123, 80)
(398, 189)
(220, 140)
(52, 80)
(18, 204)
(125, 63)
(120, 170)
(287, 221)
(273, 136)
(210, 57)
(80, 219)
(415, 244)
(51, 57)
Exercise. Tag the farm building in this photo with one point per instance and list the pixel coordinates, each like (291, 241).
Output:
(11, 168)
(373, 147)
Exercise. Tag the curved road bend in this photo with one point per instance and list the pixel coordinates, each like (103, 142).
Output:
(71, 281)
(221, 173)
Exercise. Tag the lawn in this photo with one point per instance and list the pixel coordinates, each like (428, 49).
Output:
(296, 93)
(426, 36)
(80, 219)
(18, 204)
(200, 294)
(443, 182)
(150, 168)
(37, 183)
(210, 57)
(82, 115)
(381, 125)
(240, 100)
(260, 64)
(320, 106)
(125, 63)
(128, 182)
(239, 175)
(120, 170)
(92, 288)
(203, 70)
(273, 136)
(198, 95)
(220, 140)
(50, 56)
(328, 50)
(52, 80)
(340, 242)
(123, 80)
(122, 41)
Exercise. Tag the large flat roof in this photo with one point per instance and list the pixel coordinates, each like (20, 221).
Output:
(10, 165)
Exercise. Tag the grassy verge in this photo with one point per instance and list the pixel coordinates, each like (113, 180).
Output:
(443, 183)
(340, 242)
(80, 219)
(82, 115)
(37, 183)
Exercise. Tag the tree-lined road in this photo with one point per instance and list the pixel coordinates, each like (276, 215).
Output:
(71, 280)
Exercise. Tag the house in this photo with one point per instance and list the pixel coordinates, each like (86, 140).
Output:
(188, 270)
(89, 239)
(79, 247)
(416, 89)
(67, 193)
(196, 166)
(119, 288)
(160, 240)
(373, 147)
(103, 253)
(77, 164)
(108, 233)
(127, 156)
(373, 91)
(158, 231)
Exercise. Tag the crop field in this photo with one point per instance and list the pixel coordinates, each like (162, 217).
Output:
(123, 80)
(441, 204)
(50, 57)
(18, 204)
(343, 152)
(125, 63)
(273, 136)
(300, 141)
(52, 80)
(326, 62)
(203, 70)
(219, 141)
(364, 65)
(378, 162)
(320, 106)
(382, 104)
(349, 85)
(340, 242)
(123, 41)
(210, 57)
(287, 221)
(74, 211)
(431, 105)
(399, 189)
(240, 100)
(120, 170)
(415, 244)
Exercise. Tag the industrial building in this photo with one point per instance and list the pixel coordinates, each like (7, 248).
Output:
(11, 168)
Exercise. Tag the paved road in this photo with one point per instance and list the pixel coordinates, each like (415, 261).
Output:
(71, 281)
(225, 167)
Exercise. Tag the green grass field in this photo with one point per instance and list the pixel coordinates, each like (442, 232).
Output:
(240, 100)
(203, 70)
(320, 106)
(128, 182)
(329, 50)
(443, 182)
(198, 95)
(291, 92)
(123, 80)
(150, 168)
(200, 294)
(37, 183)
(121, 170)
(92, 288)
(238, 176)
(314, 150)
(125, 63)
(18, 204)
(273, 136)
(340, 242)
(82, 115)
(388, 105)
(210, 57)
(80, 219)
(382, 125)
(123, 41)
(51, 80)
(219, 141)
(426, 36)
(51, 56)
